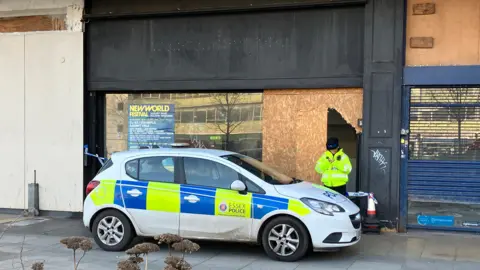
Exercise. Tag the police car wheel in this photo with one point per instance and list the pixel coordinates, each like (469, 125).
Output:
(112, 231)
(285, 239)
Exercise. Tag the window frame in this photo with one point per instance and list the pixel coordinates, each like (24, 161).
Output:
(176, 168)
(183, 179)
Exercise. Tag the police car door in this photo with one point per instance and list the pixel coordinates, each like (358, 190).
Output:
(209, 208)
(152, 196)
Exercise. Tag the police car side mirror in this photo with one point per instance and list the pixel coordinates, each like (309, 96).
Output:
(238, 186)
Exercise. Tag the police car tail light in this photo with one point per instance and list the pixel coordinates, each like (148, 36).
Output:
(322, 207)
(91, 186)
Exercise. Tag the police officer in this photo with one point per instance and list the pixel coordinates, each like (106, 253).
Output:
(334, 167)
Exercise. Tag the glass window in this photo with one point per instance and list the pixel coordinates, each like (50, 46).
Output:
(131, 168)
(202, 172)
(211, 115)
(260, 170)
(251, 187)
(154, 119)
(246, 113)
(159, 169)
(200, 116)
(235, 115)
(187, 116)
(257, 112)
(165, 96)
(221, 116)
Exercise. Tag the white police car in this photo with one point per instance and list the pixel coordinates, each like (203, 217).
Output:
(215, 195)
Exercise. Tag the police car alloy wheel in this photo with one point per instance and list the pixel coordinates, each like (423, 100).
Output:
(112, 231)
(285, 239)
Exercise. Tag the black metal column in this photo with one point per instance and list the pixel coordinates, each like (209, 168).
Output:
(380, 155)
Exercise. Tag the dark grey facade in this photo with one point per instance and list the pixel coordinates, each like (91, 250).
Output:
(266, 45)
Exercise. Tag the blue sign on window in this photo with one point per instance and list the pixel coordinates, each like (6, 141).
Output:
(151, 125)
(443, 221)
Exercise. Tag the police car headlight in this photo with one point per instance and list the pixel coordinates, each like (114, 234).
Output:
(322, 207)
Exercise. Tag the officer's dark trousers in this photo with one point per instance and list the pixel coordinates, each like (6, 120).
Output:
(340, 189)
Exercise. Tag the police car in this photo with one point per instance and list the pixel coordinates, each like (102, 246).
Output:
(215, 195)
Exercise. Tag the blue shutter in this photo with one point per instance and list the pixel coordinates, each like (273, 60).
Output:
(444, 145)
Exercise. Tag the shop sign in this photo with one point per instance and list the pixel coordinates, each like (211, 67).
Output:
(151, 125)
(215, 138)
(443, 221)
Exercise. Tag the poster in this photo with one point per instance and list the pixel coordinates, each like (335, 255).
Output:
(151, 125)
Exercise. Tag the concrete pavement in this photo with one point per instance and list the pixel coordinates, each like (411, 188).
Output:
(417, 250)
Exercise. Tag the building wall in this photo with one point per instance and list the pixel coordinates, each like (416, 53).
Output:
(455, 29)
(41, 76)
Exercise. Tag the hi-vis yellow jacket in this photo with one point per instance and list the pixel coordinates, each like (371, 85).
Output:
(334, 168)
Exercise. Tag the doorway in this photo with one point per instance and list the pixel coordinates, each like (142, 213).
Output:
(338, 127)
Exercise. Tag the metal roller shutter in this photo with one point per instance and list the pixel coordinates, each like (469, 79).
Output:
(444, 154)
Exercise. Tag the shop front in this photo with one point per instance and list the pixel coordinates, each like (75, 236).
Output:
(271, 81)
(442, 168)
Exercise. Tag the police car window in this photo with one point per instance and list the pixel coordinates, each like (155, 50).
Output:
(204, 172)
(131, 168)
(260, 169)
(158, 169)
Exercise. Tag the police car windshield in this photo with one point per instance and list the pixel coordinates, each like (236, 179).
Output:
(259, 169)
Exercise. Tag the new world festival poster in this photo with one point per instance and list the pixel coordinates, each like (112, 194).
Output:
(151, 125)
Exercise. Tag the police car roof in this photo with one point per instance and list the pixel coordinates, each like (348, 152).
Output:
(189, 151)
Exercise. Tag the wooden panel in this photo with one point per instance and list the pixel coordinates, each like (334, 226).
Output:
(421, 42)
(424, 9)
(32, 24)
(455, 26)
(295, 126)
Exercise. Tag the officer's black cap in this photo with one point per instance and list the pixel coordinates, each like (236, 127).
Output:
(332, 143)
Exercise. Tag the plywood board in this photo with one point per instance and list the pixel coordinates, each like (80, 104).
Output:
(295, 126)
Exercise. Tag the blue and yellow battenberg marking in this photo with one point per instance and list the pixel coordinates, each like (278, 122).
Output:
(175, 198)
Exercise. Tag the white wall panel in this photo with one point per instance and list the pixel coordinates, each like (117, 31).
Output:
(12, 121)
(54, 117)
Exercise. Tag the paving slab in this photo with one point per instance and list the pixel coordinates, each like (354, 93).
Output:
(368, 265)
(415, 251)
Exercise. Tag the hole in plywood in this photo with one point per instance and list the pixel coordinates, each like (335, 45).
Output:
(347, 136)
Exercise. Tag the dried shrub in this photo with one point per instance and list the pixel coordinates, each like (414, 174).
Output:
(177, 263)
(77, 242)
(145, 248)
(136, 260)
(168, 239)
(141, 249)
(37, 266)
(186, 246)
(169, 267)
(128, 265)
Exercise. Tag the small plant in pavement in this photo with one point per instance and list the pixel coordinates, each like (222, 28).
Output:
(134, 261)
(37, 266)
(168, 239)
(75, 243)
(179, 263)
